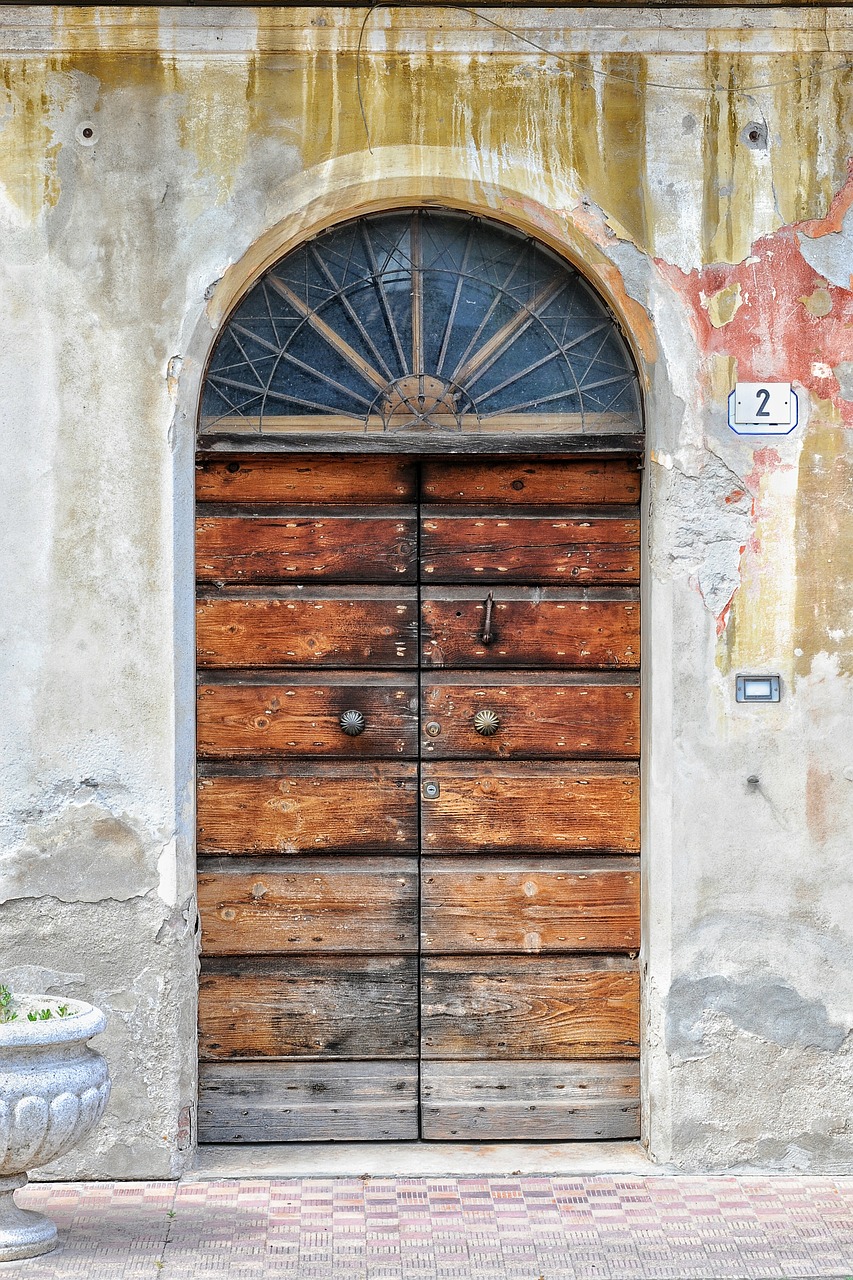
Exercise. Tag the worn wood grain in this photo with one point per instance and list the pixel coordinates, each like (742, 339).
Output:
(308, 1007)
(315, 809)
(346, 629)
(548, 1101)
(608, 438)
(280, 478)
(530, 808)
(358, 546)
(360, 905)
(557, 481)
(529, 905)
(307, 1101)
(493, 546)
(528, 1007)
(529, 628)
(542, 718)
(300, 717)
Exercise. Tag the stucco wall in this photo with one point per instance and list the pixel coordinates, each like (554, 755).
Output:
(697, 169)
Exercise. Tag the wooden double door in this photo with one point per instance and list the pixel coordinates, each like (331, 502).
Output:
(418, 811)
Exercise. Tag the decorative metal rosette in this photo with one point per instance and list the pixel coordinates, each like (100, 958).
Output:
(352, 723)
(486, 723)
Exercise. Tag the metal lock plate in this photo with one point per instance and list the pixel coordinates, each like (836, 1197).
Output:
(433, 728)
(431, 790)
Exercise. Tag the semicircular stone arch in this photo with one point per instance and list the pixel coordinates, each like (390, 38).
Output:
(420, 323)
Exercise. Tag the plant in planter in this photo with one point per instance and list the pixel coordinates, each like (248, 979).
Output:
(53, 1090)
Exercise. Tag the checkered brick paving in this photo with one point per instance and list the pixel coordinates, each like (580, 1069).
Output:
(474, 1228)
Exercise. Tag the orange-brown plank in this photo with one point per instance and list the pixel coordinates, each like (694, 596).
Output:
(302, 718)
(561, 481)
(529, 905)
(302, 547)
(310, 809)
(289, 631)
(528, 629)
(308, 1007)
(282, 479)
(536, 720)
(367, 905)
(530, 548)
(517, 1007)
(547, 808)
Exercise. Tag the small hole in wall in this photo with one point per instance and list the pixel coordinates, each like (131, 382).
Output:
(86, 133)
(755, 135)
(233, 466)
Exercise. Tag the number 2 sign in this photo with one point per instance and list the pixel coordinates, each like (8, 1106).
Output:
(763, 409)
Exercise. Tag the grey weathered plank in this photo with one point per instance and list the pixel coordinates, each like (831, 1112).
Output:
(551, 1101)
(308, 1007)
(307, 1101)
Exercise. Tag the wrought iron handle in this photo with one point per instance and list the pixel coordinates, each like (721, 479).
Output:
(486, 637)
(352, 723)
(486, 723)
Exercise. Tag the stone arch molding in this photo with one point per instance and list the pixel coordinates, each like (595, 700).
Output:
(402, 177)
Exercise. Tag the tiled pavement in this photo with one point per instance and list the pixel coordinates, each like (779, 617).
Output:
(471, 1228)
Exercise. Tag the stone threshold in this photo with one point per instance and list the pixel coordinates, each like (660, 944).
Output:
(420, 1159)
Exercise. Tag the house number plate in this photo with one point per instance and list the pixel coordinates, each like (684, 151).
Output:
(763, 409)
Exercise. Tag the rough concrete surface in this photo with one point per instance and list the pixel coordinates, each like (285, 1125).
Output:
(695, 164)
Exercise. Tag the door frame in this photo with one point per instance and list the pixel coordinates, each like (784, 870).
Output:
(309, 203)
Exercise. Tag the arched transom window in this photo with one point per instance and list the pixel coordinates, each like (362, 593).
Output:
(420, 322)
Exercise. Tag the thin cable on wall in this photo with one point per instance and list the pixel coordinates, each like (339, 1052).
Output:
(592, 72)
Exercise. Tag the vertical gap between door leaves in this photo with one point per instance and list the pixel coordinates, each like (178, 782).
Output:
(419, 681)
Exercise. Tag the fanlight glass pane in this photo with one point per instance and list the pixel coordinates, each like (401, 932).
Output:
(420, 321)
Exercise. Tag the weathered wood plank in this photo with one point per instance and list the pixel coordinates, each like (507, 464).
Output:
(492, 546)
(310, 809)
(366, 905)
(606, 437)
(302, 718)
(302, 629)
(307, 1101)
(550, 1101)
(278, 478)
(355, 547)
(529, 1007)
(528, 905)
(530, 808)
(557, 481)
(549, 718)
(528, 628)
(300, 1007)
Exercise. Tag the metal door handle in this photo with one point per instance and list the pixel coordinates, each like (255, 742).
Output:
(486, 637)
(352, 723)
(486, 723)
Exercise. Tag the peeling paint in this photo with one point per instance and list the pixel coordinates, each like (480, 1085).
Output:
(764, 1007)
(722, 306)
(695, 165)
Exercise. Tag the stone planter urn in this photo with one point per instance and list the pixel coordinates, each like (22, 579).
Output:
(53, 1090)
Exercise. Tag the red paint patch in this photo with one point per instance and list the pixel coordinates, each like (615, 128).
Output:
(773, 336)
(734, 496)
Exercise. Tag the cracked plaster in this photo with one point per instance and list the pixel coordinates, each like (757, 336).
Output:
(704, 245)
